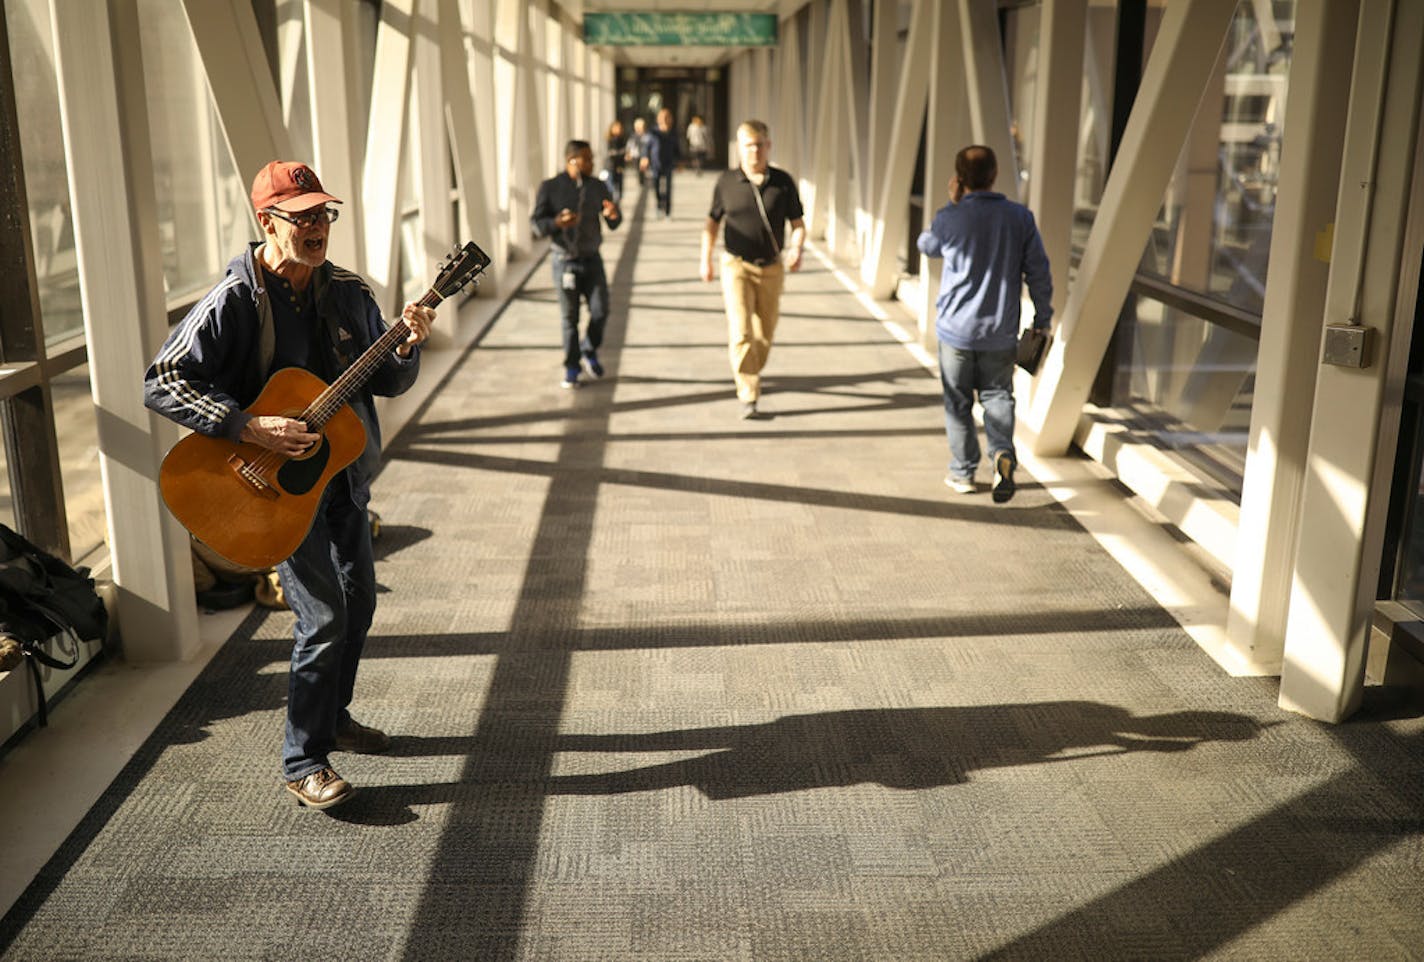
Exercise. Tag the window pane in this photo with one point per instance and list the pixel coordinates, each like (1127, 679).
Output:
(1214, 233)
(46, 183)
(1095, 123)
(1189, 388)
(204, 215)
(1021, 66)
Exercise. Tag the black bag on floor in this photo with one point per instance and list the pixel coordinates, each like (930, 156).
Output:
(42, 597)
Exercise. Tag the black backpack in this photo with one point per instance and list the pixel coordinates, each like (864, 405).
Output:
(43, 597)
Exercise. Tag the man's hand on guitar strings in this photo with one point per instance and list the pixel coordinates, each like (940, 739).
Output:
(283, 435)
(418, 318)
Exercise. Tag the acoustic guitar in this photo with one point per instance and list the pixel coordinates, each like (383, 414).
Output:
(254, 506)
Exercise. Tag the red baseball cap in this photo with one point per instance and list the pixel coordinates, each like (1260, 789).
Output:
(288, 185)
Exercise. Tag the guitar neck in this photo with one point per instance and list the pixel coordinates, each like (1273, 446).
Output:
(344, 388)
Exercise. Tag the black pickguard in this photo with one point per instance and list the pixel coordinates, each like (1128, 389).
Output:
(299, 477)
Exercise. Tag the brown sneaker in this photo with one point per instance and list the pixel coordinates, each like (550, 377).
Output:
(361, 739)
(321, 789)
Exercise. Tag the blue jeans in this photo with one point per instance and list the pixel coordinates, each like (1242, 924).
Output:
(990, 374)
(330, 585)
(590, 284)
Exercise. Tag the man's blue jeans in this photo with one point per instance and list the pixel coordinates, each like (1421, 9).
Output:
(990, 374)
(591, 284)
(330, 585)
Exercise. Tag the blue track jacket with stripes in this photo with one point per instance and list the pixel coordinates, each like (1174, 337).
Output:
(215, 361)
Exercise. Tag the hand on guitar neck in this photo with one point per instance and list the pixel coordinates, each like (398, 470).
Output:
(418, 318)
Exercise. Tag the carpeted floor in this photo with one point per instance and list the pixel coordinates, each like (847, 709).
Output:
(669, 685)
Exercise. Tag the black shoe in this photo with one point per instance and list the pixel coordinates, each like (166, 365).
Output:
(591, 365)
(1004, 473)
(321, 789)
(571, 378)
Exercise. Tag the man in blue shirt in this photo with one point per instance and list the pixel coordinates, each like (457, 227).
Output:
(991, 247)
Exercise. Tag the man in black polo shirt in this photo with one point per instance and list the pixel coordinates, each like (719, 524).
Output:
(757, 201)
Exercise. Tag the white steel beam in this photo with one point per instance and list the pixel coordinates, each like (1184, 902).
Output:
(891, 215)
(845, 206)
(523, 123)
(428, 140)
(331, 121)
(1183, 56)
(786, 135)
(385, 150)
(1291, 320)
(880, 113)
(103, 109)
(240, 79)
(481, 59)
(988, 90)
(290, 49)
(947, 131)
(1053, 143)
(819, 183)
(815, 77)
(464, 132)
(1374, 279)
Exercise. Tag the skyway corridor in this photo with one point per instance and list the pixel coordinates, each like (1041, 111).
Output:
(665, 684)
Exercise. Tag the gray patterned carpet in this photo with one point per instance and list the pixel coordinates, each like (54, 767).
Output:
(667, 685)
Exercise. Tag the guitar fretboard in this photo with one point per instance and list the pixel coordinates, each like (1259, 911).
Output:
(344, 388)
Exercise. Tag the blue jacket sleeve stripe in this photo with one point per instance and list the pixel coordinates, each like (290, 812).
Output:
(179, 348)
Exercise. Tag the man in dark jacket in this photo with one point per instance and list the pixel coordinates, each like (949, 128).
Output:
(567, 210)
(283, 304)
(662, 149)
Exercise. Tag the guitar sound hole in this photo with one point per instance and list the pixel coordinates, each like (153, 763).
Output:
(302, 473)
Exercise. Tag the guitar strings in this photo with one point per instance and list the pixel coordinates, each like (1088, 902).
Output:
(328, 402)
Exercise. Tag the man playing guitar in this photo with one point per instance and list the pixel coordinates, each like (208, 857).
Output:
(282, 304)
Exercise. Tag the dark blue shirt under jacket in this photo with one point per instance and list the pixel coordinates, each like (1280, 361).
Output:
(991, 247)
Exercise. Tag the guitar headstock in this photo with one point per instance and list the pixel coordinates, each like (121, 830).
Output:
(458, 268)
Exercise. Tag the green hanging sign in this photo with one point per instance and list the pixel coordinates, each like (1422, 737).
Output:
(680, 29)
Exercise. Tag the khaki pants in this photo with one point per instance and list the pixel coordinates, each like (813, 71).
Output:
(753, 300)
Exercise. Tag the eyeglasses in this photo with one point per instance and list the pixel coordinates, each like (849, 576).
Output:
(307, 219)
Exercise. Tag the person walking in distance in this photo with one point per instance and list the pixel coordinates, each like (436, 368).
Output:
(283, 304)
(661, 152)
(637, 144)
(615, 157)
(699, 142)
(991, 248)
(567, 210)
(757, 201)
